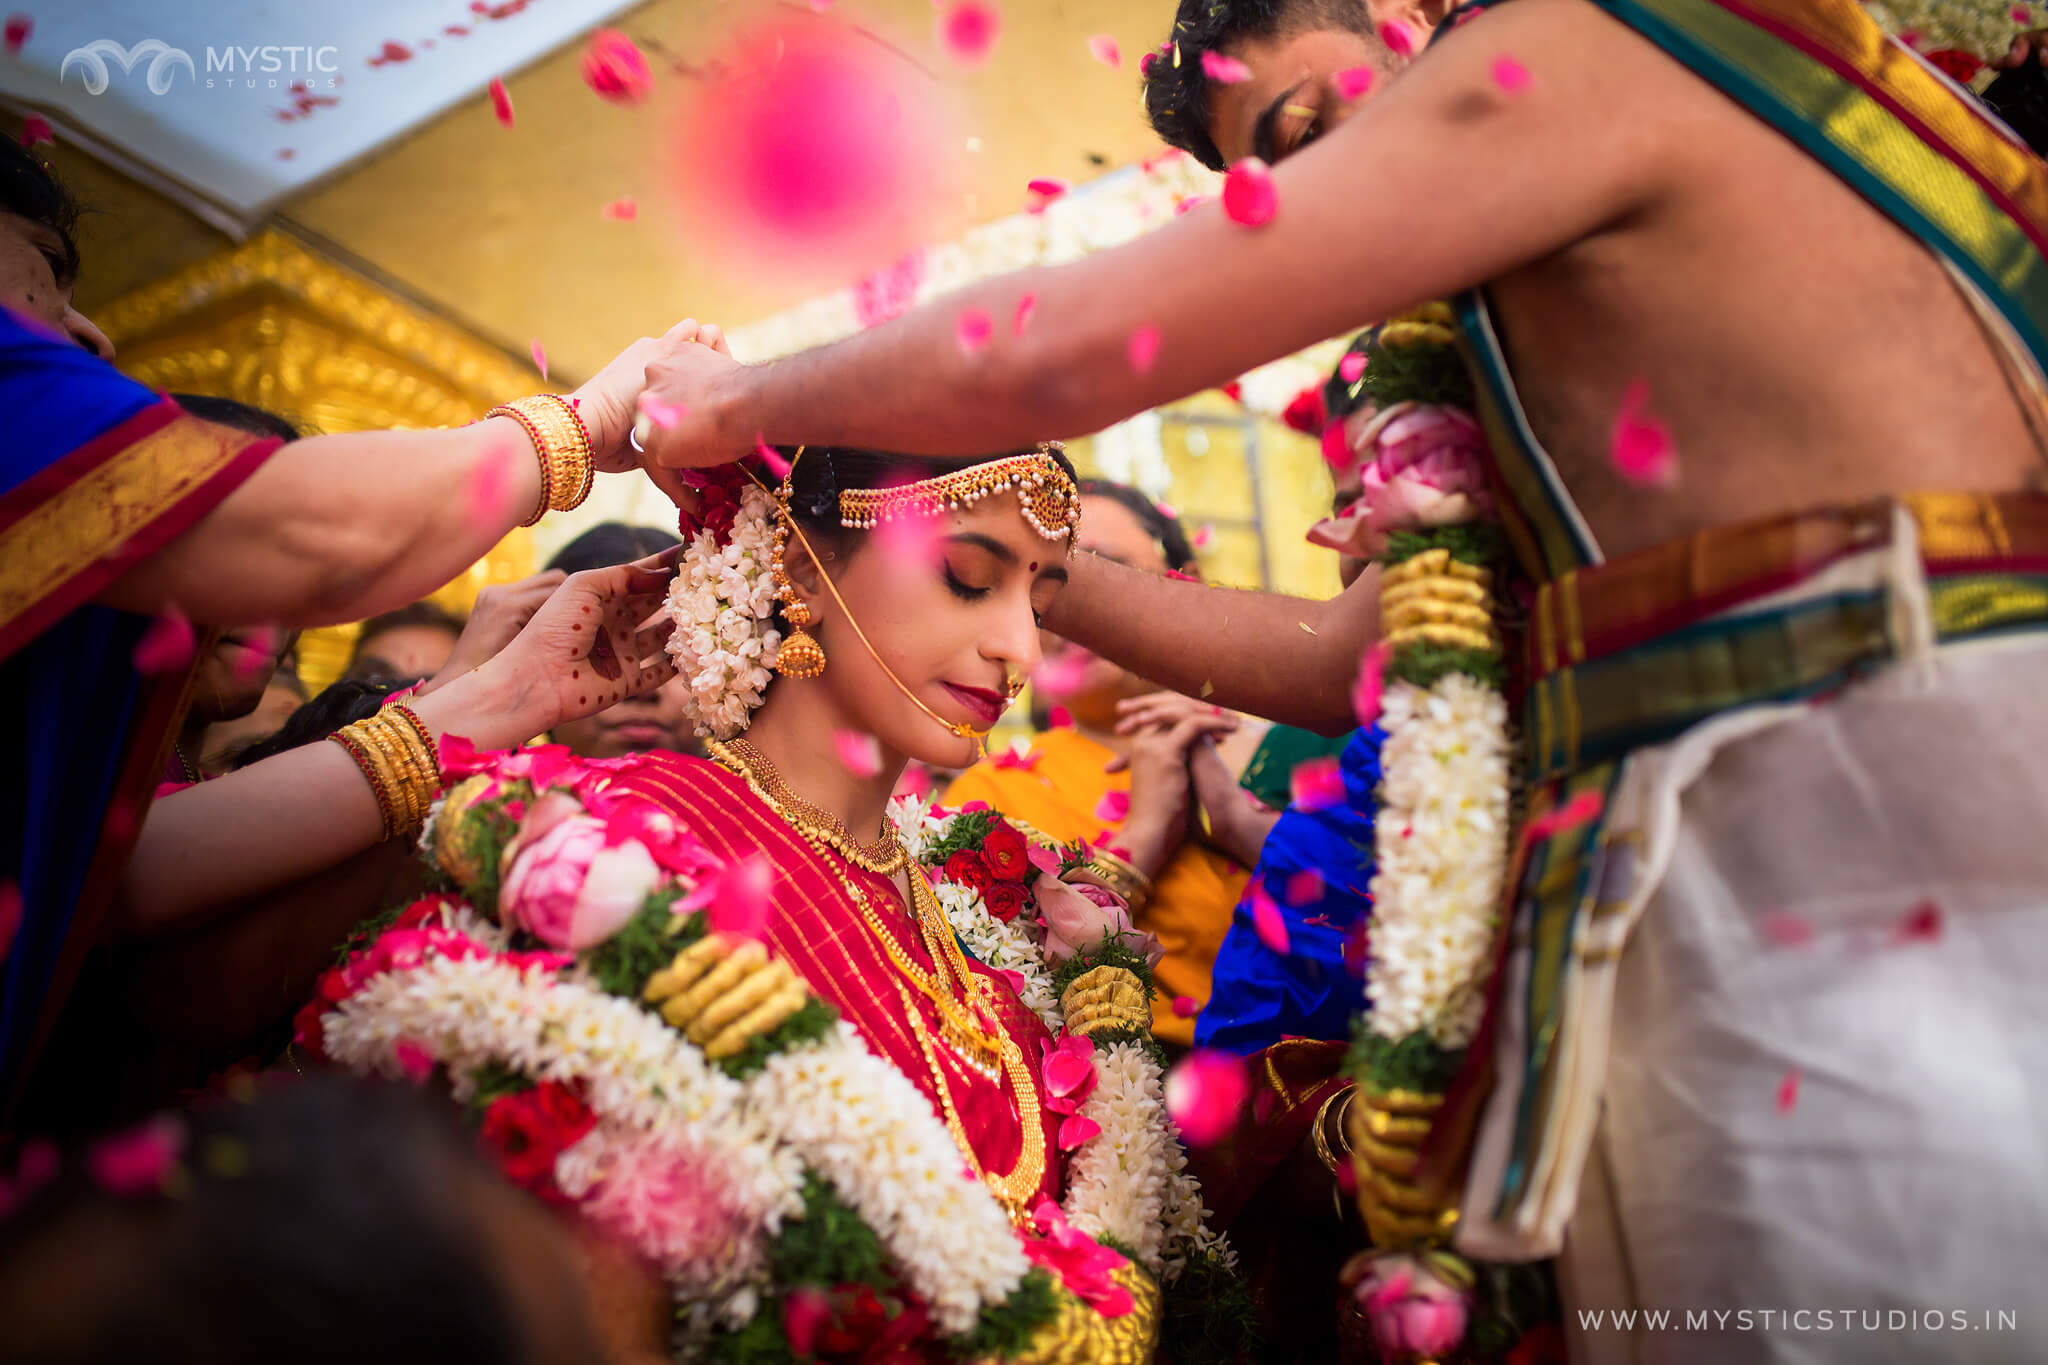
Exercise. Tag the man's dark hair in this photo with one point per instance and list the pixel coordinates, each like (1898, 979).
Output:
(1177, 92)
(29, 189)
(340, 703)
(422, 613)
(1173, 542)
(229, 412)
(609, 543)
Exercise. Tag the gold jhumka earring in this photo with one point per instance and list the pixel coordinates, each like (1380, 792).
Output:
(801, 656)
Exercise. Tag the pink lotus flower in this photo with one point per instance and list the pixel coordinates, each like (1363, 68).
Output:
(1078, 914)
(1204, 1092)
(1423, 466)
(1413, 1311)
(1249, 198)
(571, 886)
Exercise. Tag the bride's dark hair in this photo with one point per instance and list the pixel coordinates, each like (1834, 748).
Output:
(824, 472)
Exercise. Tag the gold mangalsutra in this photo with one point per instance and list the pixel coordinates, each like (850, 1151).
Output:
(1015, 1188)
(884, 857)
(1045, 492)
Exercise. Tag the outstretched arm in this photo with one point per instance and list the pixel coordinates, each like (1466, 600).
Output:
(1440, 183)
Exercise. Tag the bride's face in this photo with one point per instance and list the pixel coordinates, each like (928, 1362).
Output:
(951, 604)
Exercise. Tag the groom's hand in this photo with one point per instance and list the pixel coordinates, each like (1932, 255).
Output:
(608, 402)
(678, 419)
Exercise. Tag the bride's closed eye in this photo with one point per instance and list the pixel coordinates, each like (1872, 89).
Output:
(961, 588)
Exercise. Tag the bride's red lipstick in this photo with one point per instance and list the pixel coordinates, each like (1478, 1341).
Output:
(985, 705)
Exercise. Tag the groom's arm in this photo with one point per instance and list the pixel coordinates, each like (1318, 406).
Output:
(1441, 182)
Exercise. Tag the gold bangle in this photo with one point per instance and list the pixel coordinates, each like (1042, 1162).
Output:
(540, 447)
(563, 445)
(394, 756)
(1122, 877)
(353, 745)
(1320, 1130)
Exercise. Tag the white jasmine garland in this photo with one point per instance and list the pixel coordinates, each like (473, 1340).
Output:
(722, 600)
(1982, 28)
(1005, 947)
(1117, 1180)
(1441, 841)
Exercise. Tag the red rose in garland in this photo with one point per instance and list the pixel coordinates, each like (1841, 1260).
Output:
(966, 868)
(1005, 900)
(1959, 66)
(1007, 855)
(526, 1131)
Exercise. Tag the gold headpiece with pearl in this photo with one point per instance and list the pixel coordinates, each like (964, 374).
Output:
(1045, 491)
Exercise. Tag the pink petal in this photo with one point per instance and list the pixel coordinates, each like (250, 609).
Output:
(660, 411)
(1202, 536)
(1267, 921)
(1114, 807)
(1336, 452)
(1046, 860)
(1640, 445)
(740, 899)
(1786, 929)
(489, 491)
(414, 1060)
(1922, 924)
(1399, 38)
(1317, 785)
(972, 330)
(166, 645)
(1249, 198)
(1064, 674)
(1184, 1007)
(623, 210)
(1143, 348)
(1103, 48)
(972, 806)
(817, 7)
(256, 659)
(10, 915)
(858, 753)
(35, 130)
(1076, 1130)
(1224, 70)
(540, 357)
(1040, 192)
(806, 1311)
(1305, 888)
(1365, 693)
(501, 101)
(137, 1161)
(1352, 82)
(1026, 306)
(615, 68)
(2020, 15)
(1584, 807)
(1788, 1091)
(1511, 76)
(968, 30)
(1351, 366)
(1059, 718)
(1204, 1092)
(19, 27)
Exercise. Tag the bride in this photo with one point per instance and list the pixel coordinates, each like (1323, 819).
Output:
(852, 1084)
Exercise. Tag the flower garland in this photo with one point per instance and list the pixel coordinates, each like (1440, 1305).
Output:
(1958, 36)
(722, 600)
(725, 1165)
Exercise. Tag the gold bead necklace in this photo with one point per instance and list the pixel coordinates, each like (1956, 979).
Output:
(884, 857)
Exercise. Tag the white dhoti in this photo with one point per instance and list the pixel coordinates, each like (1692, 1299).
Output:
(1802, 1069)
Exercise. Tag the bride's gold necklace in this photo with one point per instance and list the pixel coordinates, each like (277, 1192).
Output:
(884, 857)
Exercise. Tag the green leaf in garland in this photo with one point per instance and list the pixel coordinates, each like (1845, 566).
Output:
(1006, 1328)
(1470, 542)
(1419, 373)
(1413, 1063)
(494, 1081)
(812, 1021)
(1423, 664)
(969, 830)
(644, 944)
(1109, 952)
(1207, 1317)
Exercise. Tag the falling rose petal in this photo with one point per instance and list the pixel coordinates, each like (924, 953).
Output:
(1358, 944)
(770, 456)
(1184, 1007)
(916, 782)
(501, 101)
(415, 1061)
(858, 753)
(489, 493)
(1143, 349)
(1316, 785)
(1202, 536)
(1399, 38)
(739, 899)
(1353, 82)
(1922, 924)
(1351, 366)
(10, 915)
(660, 411)
(1788, 1091)
(166, 645)
(1026, 306)
(615, 68)
(1267, 920)
(138, 1161)
(1204, 1093)
(972, 330)
(1114, 807)
(1371, 681)
(2020, 16)
(972, 806)
(36, 130)
(1103, 47)
(623, 209)
(258, 655)
(1639, 444)
(1786, 929)
(1511, 76)
(917, 540)
(540, 356)
(1059, 718)
(1582, 808)
(1064, 674)
(1249, 199)
(16, 33)
(1224, 70)
(1305, 888)
(968, 30)
(1042, 191)
(806, 1312)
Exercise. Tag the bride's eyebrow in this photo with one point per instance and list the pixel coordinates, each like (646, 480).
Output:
(1003, 553)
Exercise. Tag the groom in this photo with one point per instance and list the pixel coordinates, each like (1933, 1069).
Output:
(1760, 227)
